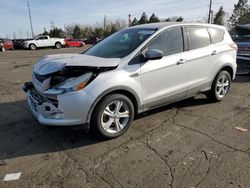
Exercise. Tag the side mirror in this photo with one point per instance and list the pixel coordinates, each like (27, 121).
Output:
(153, 54)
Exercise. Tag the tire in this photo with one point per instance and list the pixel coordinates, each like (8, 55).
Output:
(105, 115)
(58, 45)
(220, 87)
(32, 46)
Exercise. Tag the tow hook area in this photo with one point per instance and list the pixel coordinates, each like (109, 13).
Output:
(27, 86)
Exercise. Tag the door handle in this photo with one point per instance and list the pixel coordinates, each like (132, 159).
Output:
(214, 52)
(135, 75)
(181, 61)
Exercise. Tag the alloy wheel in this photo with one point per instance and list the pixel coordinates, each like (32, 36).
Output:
(115, 117)
(222, 86)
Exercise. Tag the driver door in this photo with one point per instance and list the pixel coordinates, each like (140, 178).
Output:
(165, 80)
(46, 41)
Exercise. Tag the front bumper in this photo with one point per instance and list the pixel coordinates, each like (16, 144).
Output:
(67, 110)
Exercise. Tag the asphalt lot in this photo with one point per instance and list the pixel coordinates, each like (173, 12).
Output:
(192, 143)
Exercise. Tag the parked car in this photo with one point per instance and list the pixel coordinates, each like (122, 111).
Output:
(132, 71)
(241, 35)
(18, 43)
(243, 55)
(91, 40)
(74, 43)
(1, 45)
(243, 43)
(44, 41)
(6, 44)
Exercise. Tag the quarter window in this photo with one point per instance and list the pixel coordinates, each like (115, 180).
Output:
(169, 42)
(199, 37)
(217, 35)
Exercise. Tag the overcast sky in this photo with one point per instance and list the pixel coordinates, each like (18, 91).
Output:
(15, 18)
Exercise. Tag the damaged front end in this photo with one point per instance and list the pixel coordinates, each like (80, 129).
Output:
(54, 98)
(68, 79)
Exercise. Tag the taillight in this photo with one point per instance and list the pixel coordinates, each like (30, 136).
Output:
(233, 46)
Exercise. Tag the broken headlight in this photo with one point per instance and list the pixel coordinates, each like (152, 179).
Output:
(74, 83)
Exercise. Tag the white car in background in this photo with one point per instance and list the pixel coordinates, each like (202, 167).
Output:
(44, 41)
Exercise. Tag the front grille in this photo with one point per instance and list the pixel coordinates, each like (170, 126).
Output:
(41, 99)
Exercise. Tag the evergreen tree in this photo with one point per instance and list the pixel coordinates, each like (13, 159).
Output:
(245, 18)
(180, 19)
(45, 33)
(167, 20)
(153, 19)
(98, 32)
(113, 29)
(219, 17)
(77, 32)
(56, 32)
(134, 22)
(240, 9)
(144, 19)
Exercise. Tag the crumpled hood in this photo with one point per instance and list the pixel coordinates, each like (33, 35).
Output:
(53, 63)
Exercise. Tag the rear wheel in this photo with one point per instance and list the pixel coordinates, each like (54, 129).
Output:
(58, 45)
(32, 46)
(220, 86)
(113, 116)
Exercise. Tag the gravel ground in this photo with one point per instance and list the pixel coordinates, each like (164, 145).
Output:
(192, 143)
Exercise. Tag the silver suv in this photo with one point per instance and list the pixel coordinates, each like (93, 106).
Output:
(132, 71)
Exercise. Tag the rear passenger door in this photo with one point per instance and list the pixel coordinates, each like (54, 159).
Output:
(201, 58)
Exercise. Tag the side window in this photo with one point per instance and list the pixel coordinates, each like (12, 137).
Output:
(170, 41)
(216, 34)
(199, 37)
(45, 38)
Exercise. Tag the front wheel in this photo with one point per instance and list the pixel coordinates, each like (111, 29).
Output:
(32, 46)
(220, 87)
(113, 116)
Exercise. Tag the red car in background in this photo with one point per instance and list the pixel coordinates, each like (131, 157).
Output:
(73, 43)
(6, 44)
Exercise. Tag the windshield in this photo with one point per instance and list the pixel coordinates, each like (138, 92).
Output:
(120, 44)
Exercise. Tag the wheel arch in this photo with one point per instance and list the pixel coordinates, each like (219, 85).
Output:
(118, 90)
(58, 42)
(227, 68)
(32, 44)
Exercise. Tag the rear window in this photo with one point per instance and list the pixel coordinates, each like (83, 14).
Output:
(216, 34)
(198, 36)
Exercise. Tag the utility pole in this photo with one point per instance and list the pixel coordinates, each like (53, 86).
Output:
(32, 33)
(209, 12)
(129, 20)
(14, 35)
(104, 22)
